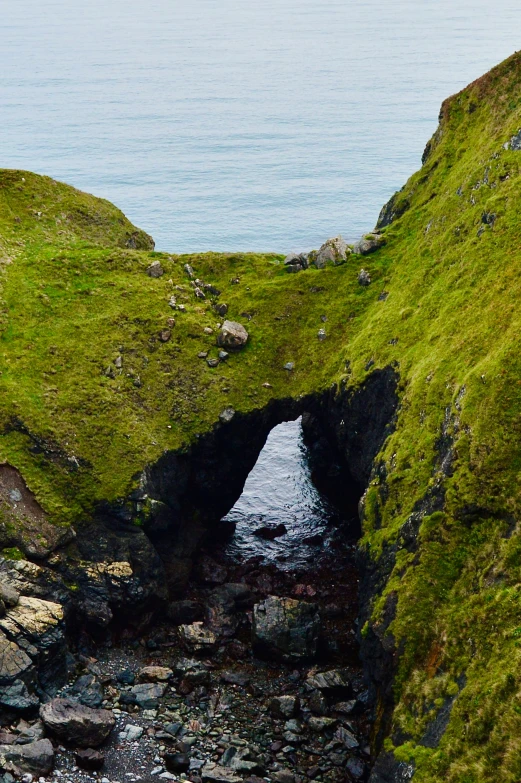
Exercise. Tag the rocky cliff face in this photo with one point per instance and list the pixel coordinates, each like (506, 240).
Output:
(128, 427)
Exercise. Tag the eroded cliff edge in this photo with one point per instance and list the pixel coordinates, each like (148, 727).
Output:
(114, 425)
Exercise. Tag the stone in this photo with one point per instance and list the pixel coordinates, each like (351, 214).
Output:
(89, 759)
(184, 612)
(333, 682)
(321, 724)
(147, 695)
(199, 294)
(321, 334)
(227, 415)
(345, 707)
(242, 760)
(15, 699)
(318, 704)
(286, 628)
(87, 690)
(126, 677)
(236, 678)
(177, 762)
(8, 594)
(208, 330)
(172, 302)
(221, 309)
(347, 738)
(285, 706)
(364, 278)
(36, 758)
(368, 244)
(202, 354)
(232, 336)
(155, 674)
(189, 271)
(356, 768)
(271, 532)
(333, 251)
(214, 773)
(29, 732)
(198, 638)
(155, 269)
(14, 662)
(165, 335)
(223, 355)
(130, 733)
(75, 723)
(289, 366)
(212, 362)
(283, 776)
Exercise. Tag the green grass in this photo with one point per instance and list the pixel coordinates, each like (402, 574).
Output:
(75, 296)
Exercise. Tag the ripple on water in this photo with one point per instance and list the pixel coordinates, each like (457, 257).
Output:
(279, 490)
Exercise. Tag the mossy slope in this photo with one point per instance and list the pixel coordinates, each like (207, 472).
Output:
(81, 429)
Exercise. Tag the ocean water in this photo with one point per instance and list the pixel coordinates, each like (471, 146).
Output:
(233, 125)
(278, 490)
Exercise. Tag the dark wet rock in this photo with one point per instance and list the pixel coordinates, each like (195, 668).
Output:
(285, 706)
(185, 612)
(233, 336)
(89, 759)
(321, 724)
(88, 690)
(14, 662)
(223, 606)
(271, 532)
(15, 700)
(364, 278)
(29, 732)
(147, 695)
(286, 628)
(77, 724)
(368, 244)
(177, 762)
(346, 707)
(333, 251)
(155, 269)
(318, 703)
(283, 776)
(334, 683)
(236, 678)
(356, 768)
(126, 677)
(36, 758)
(242, 760)
(209, 572)
(347, 738)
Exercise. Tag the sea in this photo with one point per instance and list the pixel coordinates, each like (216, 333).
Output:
(263, 125)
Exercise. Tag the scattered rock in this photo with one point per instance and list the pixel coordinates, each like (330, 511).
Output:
(286, 628)
(202, 354)
(87, 690)
(197, 638)
(318, 703)
(346, 737)
(283, 776)
(189, 271)
(126, 677)
(130, 733)
(223, 355)
(368, 244)
(165, 335)
(333, 251)
(227, 415)
(289, 366)
(285, 706)
(356, 768)
(271, 532)
(232, 336)
(199, 294)
(320, 724)
(221, 309)
(146, 695)
(208, 330)
(172, 302)
(236, 678)
(332, 682)
(36, 758)
(155, 269)
(321, 334)
(212, 362)
(155, 674)
(90, 759)
(214, 773)
(364, 278)
(75, 723)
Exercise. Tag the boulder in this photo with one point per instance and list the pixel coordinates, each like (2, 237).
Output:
(155, 674)
(333, 683)
(214, 773)
(177, 762)
(76, 723)
(36, 758)
(271, 532)
(197, 638)
(14, 662)
(233, 336)
(88, 690)
(286, 628)
(155, 269)
(333, 251)
(146, 695)
(364, 278)
(9, 595)
(285, 706)
(368, 244)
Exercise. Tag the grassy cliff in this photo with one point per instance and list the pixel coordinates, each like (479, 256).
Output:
(90, 394)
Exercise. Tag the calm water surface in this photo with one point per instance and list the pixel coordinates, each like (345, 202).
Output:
(227, 124)
(279, 489)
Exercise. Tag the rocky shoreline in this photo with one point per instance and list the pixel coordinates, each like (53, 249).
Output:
(252, 676)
